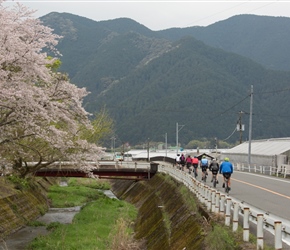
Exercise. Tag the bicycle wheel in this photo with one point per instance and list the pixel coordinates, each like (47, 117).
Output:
(194, 173)
(227, 187)
(214, 181)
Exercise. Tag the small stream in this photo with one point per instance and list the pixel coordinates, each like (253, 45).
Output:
(21, 238)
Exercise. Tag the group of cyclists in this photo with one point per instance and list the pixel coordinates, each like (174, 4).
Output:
(225, 168)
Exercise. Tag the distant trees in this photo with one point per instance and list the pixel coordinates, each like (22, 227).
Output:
(41, 115)
(207, 144)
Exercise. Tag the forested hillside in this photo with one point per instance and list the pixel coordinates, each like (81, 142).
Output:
(262, 38)
(148, 81)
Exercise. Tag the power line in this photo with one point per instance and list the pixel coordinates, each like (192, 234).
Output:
(272, 92)
(231, 107)
(230, 135)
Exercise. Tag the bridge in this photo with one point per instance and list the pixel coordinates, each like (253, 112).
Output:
(130, 170)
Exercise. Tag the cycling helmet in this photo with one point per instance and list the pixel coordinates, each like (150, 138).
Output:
(203, 156)
(227, 159)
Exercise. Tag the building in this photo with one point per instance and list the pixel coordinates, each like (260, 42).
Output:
(273, 152)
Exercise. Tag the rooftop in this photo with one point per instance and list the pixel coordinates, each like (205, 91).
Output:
(274, 146)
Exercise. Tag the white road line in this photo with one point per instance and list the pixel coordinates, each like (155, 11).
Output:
(263, 176)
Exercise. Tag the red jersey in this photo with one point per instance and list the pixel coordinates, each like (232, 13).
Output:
(194, 161)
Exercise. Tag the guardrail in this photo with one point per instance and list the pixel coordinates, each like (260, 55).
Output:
(282, 171)
(221, 203)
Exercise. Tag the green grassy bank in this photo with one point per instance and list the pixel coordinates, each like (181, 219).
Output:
(102, 223)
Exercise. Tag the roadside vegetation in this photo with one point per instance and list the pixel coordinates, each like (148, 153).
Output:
(102, 223)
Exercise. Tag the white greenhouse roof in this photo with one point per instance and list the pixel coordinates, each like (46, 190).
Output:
(274, 146)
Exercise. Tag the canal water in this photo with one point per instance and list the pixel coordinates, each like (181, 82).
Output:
(21, 238)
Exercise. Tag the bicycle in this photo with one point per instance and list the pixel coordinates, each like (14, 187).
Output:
(204, 173)
(195, 171)
(227, 188)
(214, 180)
(188, 166)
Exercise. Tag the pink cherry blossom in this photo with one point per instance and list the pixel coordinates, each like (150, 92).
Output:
(41, 112)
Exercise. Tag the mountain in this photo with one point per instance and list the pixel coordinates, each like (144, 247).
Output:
(262, 38)
(151, 80)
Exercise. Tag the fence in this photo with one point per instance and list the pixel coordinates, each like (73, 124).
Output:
(282, 171)
(218, 202)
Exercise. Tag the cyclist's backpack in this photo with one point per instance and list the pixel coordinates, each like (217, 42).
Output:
(182, 158)
(215, 167)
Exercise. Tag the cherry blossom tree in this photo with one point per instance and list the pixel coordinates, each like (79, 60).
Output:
(41, 115)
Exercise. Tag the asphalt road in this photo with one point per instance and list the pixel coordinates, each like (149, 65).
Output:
(269, 194)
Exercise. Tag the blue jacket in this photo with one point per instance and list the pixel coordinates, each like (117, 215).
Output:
(226, 167)
(204, 162)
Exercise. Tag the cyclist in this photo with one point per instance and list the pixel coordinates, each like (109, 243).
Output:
(214, 168)
(182, 161)
(188, 162)
(177, 160)
(204, 166)
(226, 168)
(195, 164)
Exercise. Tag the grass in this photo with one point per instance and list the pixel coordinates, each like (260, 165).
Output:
(99, 225)
(220, 238)
(78, 192)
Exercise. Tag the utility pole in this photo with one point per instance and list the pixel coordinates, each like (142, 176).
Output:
(250, 127)
(178, 128)
(148, 158)
(215, 139)
(166, 144)
(113, 146)
(240, 126)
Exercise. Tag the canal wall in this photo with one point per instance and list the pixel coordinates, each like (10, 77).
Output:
(165, 219)
(21, 203)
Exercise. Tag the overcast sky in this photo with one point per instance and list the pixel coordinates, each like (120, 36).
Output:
(158, 15)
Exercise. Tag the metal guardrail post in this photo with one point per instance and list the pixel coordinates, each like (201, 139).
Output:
(213, 195)
(222, 204)
(228, 212)
(206, 195)
(197, 189)
(217, 202)
(236, 217)
(238, 166)
(209, 192)
(278, 235)
(201, 189)
(260, 232)
(201, 193)
(246, 227)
